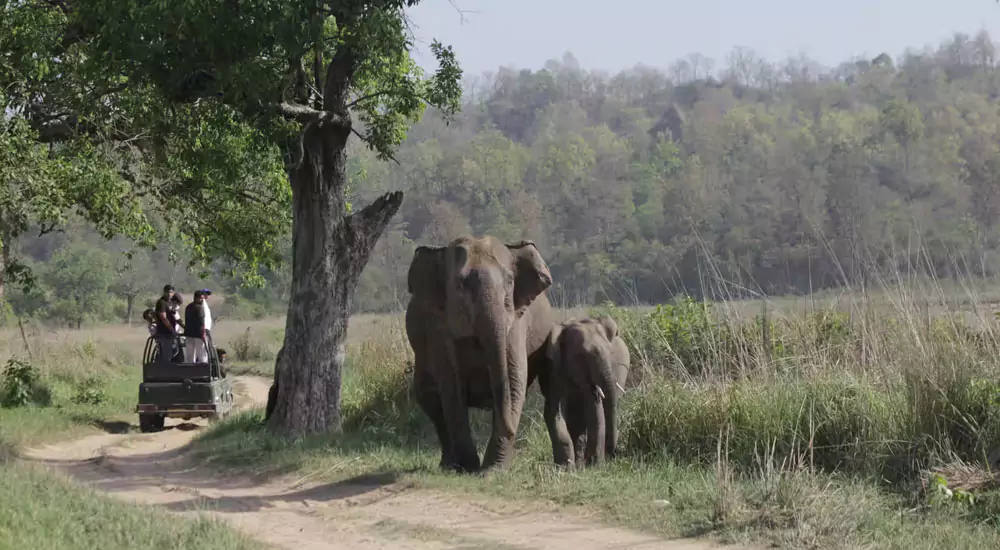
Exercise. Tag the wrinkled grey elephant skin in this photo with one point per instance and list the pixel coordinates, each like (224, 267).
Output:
(477, 321)
(589, 364)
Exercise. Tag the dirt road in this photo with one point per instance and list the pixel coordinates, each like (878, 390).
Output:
(363, 514)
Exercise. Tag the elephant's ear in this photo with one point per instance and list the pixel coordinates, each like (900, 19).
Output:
(610, 326)
(531, 273)
(427, 272)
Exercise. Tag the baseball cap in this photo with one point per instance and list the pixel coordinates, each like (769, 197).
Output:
(205, 292)
(168, 288)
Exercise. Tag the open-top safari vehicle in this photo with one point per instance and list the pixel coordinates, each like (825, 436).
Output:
(175, 389)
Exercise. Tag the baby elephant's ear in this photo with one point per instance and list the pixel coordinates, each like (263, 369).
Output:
(610, 327)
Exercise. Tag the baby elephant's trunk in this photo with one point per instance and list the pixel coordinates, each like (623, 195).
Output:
(601, 429)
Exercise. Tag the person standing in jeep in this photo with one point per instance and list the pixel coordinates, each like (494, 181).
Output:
(196, 325)
(165, 331)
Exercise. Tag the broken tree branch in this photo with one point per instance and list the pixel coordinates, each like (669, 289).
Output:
(366, 226)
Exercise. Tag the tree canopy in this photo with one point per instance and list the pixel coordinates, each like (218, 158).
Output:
(179, 118)
(86, 134)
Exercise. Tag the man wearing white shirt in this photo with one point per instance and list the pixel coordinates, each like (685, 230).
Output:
(196, 335)
(205, 293)
(198, 323)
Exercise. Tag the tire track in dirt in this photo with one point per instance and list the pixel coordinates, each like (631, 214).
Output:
(368, 513)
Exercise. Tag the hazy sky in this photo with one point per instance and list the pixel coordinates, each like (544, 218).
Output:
(613, 35)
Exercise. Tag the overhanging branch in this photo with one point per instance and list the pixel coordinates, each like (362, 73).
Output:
(45, 230)
(63, 130)
(367, 97)
(381, 93)
(368, 141)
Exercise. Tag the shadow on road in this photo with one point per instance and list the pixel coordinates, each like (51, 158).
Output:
(321, 494)
(114, 426)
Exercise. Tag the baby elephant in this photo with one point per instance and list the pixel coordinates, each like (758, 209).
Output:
(589, 363)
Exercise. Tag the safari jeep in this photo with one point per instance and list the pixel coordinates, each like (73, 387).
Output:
(181, 390)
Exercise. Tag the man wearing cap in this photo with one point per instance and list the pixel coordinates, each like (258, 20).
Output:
(165, 331)
(196, 322)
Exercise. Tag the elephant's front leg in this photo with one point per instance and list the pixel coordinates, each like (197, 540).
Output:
(555, 420)
(507, 407)
(427, 396)
(574, 411)
(454, 405)
(595, 427)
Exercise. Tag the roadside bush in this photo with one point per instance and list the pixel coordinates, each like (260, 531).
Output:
(90, 391)
(22, 385)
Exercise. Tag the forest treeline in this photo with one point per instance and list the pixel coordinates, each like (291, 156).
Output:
(756, 177)
(766, 177)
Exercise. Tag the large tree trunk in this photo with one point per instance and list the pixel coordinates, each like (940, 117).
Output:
(329, 252)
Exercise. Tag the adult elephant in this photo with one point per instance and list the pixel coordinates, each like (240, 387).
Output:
(477, 321)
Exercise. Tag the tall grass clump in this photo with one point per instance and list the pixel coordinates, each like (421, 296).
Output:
(377, 396)
(250, 347)
(867, 391)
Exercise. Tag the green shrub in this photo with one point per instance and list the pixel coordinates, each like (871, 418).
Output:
(90, 391)
(22, 385)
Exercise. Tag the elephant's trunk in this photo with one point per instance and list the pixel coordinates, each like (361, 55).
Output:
(491, 329)
(610, 414)
(607, 384)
